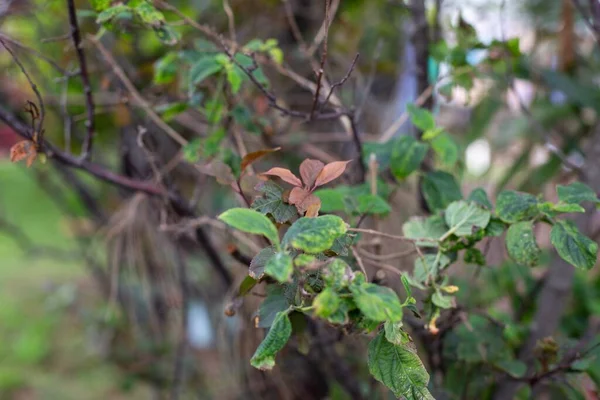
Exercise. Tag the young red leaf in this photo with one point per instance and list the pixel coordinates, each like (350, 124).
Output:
(303, 199)
(309, 170)
(284, 174)
(252, 157)
(24, 149)
(330, 172)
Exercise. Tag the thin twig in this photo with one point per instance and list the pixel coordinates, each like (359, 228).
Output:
(137, 97)
(393, 128)
(39, 130)
(289, 14)
(321, 71)
(34, 52)
(386, 257)
(85, 79)
(390, 236)
(343, 80)
(359, 261)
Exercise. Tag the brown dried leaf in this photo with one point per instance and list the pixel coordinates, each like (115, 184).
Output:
(24, 149)
(303, 200)
(309, 170)
(331, 171)
(284, 174)
(219, 170)
(252, 157)
(313, 210)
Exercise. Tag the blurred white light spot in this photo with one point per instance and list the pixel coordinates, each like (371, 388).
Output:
(478, 157)
(200, 331)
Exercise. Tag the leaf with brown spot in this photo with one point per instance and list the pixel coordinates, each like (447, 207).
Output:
(254, 156)
(331, 171)
(22, 150)
(303, 199)
(284, 174)
(309, 170)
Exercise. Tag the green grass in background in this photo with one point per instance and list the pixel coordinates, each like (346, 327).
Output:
(46, 351)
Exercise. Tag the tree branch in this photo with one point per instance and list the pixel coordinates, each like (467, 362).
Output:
(85, 78)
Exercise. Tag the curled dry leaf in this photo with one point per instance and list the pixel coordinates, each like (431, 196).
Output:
(330, 172)
(309, 170)
(303, 200)
(24, 149)
(284, 174)
(254, 156)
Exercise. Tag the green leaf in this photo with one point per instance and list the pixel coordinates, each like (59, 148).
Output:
(272, 202)
(576, 193)
(275, 302)
(246, 286)
(463, 218)
(480, 197)
(474, 256)
(326, 303)
(441, 300)
(342, 244)
(552, 210)
(110, 13)
(573, 247)
(314, 235)
(407, 155)
(100, 5)
(235, 79)
(514, 206)
(377, 303)
(371, 204)
(395, 334)
(495, 227)
(332, 200)
(432, 134)
(277, 337)
(425, 228)
(421, 118)
(440, 189)
(280, 267)
(303, 260)
(203, 68)
(382, 152)
(337, 274)
(429, 265)
(149, 14)
(251, 221)
(399, 368)
(171, 110)
(515, 368)
(445, 148)
(165, 69)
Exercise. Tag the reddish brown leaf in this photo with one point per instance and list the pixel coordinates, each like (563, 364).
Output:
(252, 157)
(284, 174)
(331, 171)
(24, 149)
(303, 199)
(309, 170)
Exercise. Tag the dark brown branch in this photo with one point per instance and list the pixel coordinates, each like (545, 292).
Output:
(359, 148)
(342, 81)
(85, 79)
